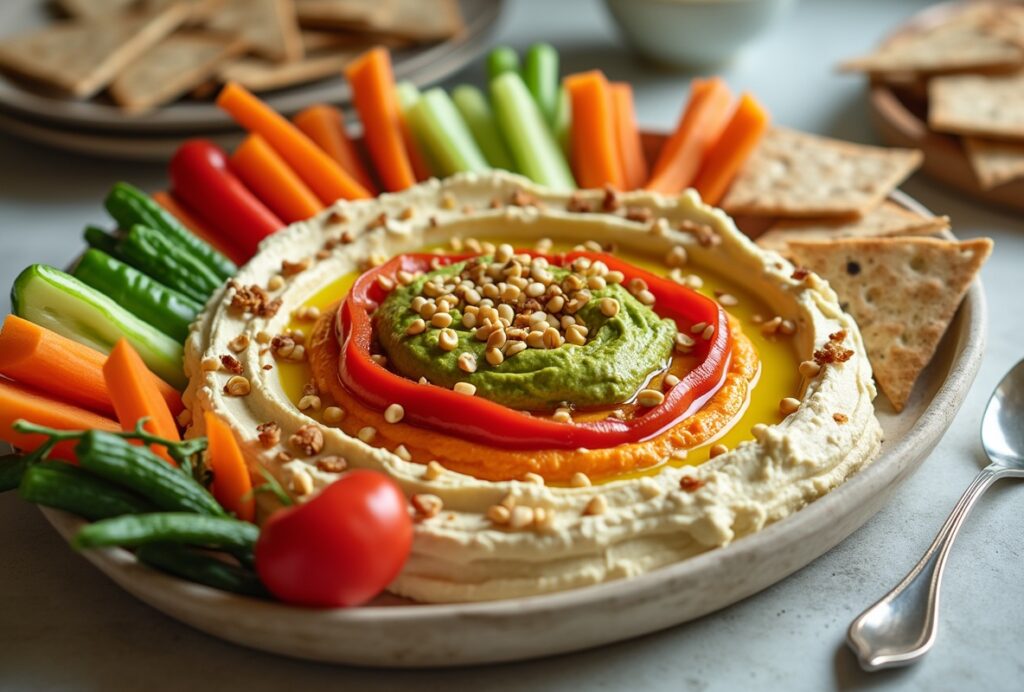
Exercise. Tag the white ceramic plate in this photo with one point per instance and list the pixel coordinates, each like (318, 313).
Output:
(421, 66)
(398, 634)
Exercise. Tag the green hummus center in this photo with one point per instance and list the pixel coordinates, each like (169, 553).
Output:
(583, 341)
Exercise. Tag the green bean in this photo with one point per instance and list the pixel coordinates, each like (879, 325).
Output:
(59, 485)
(133, 530)
(139, 469)
(197, 566)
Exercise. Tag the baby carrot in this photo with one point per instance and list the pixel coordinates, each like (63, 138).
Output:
(325, 125)
(631, 152)
(273, 180)
(737, 142)
(323, 175)
(595, 152)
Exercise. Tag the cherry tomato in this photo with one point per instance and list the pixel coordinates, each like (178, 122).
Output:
(341, 548)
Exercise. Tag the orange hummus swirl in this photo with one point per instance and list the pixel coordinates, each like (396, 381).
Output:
(553, 465)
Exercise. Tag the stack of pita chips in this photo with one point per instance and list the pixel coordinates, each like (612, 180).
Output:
(970, 67)
(147, 53)
(825, 206)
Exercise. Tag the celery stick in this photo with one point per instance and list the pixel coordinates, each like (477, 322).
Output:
(502, 59)
(476, 111)
(540, 72)
(441, 131)
(563, 120)
(529, 138)
(408, 96)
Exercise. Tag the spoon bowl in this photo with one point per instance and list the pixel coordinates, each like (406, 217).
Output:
(901, 627)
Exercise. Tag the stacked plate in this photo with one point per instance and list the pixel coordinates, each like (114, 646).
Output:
(101, 129)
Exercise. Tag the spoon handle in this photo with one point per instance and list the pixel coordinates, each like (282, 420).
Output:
(900, 628)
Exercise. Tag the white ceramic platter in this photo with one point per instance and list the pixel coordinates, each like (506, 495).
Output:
(421, 66)
(394, 633)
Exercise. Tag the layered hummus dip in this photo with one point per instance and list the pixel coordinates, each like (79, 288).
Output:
(568, 387)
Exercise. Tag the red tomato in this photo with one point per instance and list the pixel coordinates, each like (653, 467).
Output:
(339, 549)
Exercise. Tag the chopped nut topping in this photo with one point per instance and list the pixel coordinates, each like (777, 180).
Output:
(210, 364)
(578, 204)
(269, 434)
(809, 369)
(499, 514)
(758, 431)
(466, 388)
(253, 300)
(717, 450)
(426, 505)
(671, 381)
(308, 440)
(433, 471)
(275, 283)
(332, 464)
(289, 268)
(310, 402)
(840, 418)
(237, 386)
(336, 217)
(597, 505)
(690, 484)
(534, 478)
(800, 273)
(704, 234)
(402, 452)
(467, 362)
(307, 313)
(788, 405)
(520, 517)
(727, 299)
(521, 198)
(832, 352)
(639, 214)
(366, 434)
(394, 413)
(676, 257)
(650, 397)
(579, 480)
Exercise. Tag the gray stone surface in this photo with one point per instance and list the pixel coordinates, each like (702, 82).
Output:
(63, 625)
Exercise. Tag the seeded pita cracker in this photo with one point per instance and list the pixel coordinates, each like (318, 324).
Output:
(903, 292)
(424, 21)
(94, 8)
(81, 57)
(888, 220)
(171, 68)
(794, 174)
(965, 41)
(983, 105)
(260, 75)
(345, 14)
(995, 162)
(269, 27)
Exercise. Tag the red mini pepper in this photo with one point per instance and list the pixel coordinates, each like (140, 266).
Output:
(490, 423)
(200, 178)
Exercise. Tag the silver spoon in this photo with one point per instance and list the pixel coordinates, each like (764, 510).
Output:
(901, 627)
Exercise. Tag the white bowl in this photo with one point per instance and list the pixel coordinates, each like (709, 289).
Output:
(693, 33)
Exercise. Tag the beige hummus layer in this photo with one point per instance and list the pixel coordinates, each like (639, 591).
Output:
(649, 522)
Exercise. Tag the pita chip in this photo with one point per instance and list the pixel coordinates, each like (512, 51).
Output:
(981, 105)
(964, 41)
(995, 162)
(888, 220)
(172, 68)
(903, 293)
(81, 57)
(795, 174)
(269, 27)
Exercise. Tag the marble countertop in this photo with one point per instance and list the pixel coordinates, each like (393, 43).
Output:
(63, 625)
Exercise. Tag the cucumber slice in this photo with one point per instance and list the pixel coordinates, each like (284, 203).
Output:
(65, 305)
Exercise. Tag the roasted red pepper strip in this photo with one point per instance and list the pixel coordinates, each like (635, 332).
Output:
(490, 423)
(200, 178)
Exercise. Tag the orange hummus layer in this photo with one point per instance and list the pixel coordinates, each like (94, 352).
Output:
(554, 465)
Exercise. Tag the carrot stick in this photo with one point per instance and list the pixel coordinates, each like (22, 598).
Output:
(373, 90)
(595, 152)
(737, 142)
(325, 125)
(699, 128)
(631, 152)
(273, 181)
(323, 175)
(19, 402)
(190, 221)
(232, 485)
(62, 368)
(135, 396)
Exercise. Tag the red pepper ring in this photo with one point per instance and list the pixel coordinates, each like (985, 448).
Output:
(489, 423)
